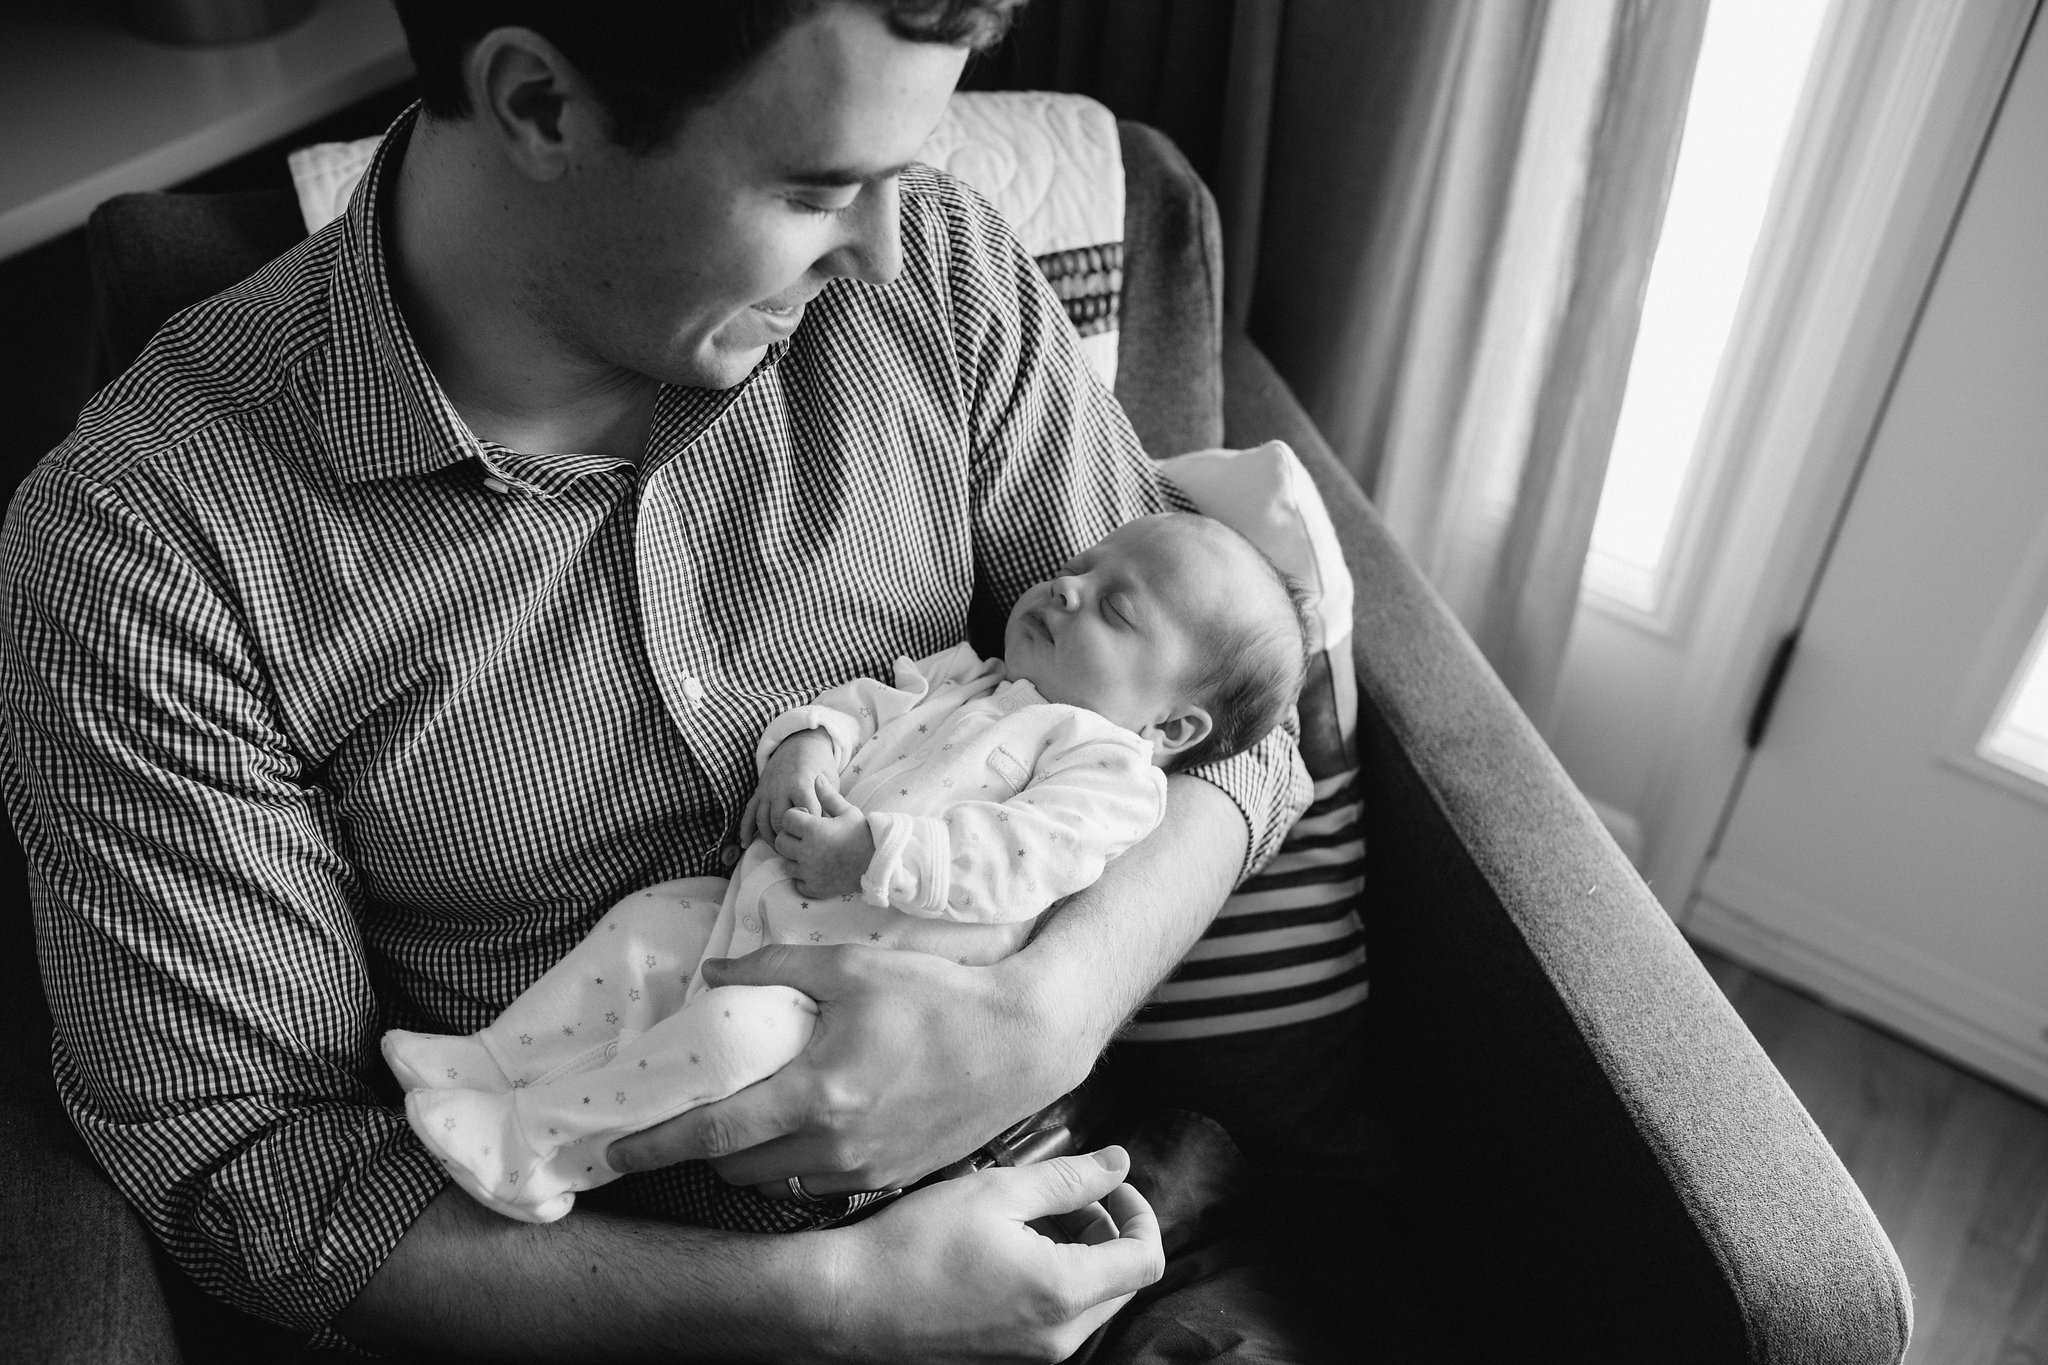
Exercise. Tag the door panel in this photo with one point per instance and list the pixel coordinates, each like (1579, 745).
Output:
(1869, 853)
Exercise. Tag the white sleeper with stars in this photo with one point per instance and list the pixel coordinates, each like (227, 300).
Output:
(987, 804)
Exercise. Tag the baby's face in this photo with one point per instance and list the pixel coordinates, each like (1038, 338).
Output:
(1120, 631)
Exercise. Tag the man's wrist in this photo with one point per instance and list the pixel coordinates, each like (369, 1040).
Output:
(1059, 1030)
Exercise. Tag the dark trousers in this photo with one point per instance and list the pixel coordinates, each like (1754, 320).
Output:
(1278, 1203)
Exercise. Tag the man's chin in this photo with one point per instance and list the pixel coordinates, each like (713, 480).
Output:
(716, 367)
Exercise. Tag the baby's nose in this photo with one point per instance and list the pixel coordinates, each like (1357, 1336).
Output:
(1068, 592)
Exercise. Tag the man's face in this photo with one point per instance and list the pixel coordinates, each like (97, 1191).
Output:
(685, 263)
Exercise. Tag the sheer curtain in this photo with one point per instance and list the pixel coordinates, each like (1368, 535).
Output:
(1439, 218)
(1489, 393)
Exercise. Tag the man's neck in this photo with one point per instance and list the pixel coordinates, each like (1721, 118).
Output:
(459, 285)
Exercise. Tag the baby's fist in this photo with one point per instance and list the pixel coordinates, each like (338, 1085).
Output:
(828, 851)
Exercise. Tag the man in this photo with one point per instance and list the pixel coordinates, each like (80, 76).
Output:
(403, 607)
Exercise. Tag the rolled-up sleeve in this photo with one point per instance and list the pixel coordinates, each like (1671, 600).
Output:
(1057, 467)
(195, 919)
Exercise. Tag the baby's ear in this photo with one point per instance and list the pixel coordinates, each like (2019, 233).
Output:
(1178, 733)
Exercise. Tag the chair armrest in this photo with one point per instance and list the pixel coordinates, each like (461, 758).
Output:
(78, 1277)
(1610, 1167)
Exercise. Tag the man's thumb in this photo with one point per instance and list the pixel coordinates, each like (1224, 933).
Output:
(776, 964)
(1064, 1184)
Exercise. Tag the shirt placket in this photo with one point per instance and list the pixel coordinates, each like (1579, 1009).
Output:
(667, 560)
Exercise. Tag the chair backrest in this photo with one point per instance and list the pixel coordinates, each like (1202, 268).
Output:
(154, 254)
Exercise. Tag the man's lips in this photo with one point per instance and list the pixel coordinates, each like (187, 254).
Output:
(784, 306)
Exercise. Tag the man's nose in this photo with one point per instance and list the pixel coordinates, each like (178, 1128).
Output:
(872, 250)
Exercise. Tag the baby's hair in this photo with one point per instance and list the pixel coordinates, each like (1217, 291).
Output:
(1254, 669)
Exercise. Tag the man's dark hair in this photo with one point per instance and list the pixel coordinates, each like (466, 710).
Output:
(652, 61)
(1254, 671)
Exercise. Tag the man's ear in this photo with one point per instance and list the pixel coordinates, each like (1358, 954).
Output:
(532, 100)
(1178, 733)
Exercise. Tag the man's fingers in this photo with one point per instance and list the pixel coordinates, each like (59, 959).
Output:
(773, 1162)
(1090, 1225)
(813, 971)
(1046, 1189)
(1108, 1272)
(747, 813)
(747, 1119)
(1131, 1213)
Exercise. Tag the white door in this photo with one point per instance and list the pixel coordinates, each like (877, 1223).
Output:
(1888, 846)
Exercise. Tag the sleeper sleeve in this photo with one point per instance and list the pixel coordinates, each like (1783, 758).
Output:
(1091, 796)
(853, 712)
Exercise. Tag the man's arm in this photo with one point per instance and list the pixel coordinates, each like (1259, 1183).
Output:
(946, 1274)
(967, 1050)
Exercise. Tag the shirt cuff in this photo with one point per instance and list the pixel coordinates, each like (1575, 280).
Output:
(841, 729)
(374, 1214)
(912, 866)
(1270, 787)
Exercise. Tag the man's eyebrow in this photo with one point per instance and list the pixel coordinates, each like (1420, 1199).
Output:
(835, 177)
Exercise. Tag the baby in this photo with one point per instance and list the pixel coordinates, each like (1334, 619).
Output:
(943, 814)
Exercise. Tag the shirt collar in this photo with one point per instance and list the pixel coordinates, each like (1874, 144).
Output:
(384, 414)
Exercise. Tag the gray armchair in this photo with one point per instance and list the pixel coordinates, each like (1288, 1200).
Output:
(1599, 1162)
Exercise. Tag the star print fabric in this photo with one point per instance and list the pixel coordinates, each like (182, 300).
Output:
(987, 803)
(624, 1033)
(609, 1041)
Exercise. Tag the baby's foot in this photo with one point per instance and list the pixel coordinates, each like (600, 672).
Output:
(443, 1061)
(477, 1137)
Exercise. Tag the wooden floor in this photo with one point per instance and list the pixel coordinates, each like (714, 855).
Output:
(1955, 1167)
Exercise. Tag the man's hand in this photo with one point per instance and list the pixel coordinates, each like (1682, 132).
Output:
(955, 1271)
(789, 781)
(829, 850)
(914, 1062)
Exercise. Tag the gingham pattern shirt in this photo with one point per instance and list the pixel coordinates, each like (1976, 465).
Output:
(326, 717)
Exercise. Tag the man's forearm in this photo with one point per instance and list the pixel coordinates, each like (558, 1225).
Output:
(593, 1285)
(1098, 957)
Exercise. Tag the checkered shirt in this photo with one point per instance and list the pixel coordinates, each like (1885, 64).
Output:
(327, 717)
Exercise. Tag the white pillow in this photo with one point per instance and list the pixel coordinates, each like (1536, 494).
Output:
(1266, 495)
(325, 175)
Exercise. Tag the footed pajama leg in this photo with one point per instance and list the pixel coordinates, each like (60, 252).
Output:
(630, 970)
(526, 1150)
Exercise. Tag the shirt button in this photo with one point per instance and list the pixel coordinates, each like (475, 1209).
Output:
(749, 923)
(693, 691)
(497, 485)
(728, 855)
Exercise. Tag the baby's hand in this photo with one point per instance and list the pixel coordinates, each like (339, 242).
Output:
(789, 781)
(829, 851)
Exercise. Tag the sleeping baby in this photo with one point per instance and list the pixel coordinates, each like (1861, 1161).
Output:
(941, 814)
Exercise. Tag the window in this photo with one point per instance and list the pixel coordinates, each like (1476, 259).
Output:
(1752, 66)
(2018, 737)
